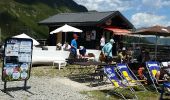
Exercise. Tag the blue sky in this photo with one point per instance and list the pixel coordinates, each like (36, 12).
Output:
(141, 13)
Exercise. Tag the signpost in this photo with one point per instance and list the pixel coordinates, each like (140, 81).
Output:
(17, 60)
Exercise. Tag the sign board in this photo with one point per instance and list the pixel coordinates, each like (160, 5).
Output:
(17, 59)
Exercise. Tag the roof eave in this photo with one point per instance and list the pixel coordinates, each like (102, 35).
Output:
(70, 23)
(115, 14)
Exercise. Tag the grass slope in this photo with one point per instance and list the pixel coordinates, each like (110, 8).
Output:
(17, 16)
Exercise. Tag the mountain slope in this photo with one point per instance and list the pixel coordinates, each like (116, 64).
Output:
(17, 16)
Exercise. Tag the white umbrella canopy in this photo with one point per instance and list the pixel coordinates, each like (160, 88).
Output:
(23, 35)
(66, 28)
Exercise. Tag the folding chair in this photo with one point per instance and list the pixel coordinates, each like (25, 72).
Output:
(153, 67)
(112, 75)
(165, 85)
(129, 76)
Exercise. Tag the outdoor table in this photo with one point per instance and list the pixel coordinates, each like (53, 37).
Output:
(90, 68)
(90, 63)
(72, 60)
(95, 65)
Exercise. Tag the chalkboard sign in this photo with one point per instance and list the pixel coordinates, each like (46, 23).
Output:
(17, 59)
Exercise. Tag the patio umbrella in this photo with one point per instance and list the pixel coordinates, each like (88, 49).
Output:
(23, 35)
(66, 28)
(154, 30)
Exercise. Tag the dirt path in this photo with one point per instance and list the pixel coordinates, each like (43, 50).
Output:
(43, 88)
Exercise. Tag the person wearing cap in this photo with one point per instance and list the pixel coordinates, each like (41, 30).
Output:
(122, 55)
(73, 50)
(107, 51)
(82, 51)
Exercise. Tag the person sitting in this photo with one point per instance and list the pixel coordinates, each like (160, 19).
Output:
(122, 56)
(82, 51)
(119, 56)
(66, 47)
(142, 75)
(161, 75)
(124, 53)
(58, 46)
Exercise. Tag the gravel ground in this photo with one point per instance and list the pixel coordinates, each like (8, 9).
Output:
(42, 88)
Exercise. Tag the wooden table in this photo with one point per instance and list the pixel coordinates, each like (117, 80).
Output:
(90, 69)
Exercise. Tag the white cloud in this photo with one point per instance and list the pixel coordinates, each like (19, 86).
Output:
(133, 6)
(156, 3)
(152, 3)
(146, 19)
(123, 5)
(166, 3)
(106, 5)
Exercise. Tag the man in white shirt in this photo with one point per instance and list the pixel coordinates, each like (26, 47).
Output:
(102, 42)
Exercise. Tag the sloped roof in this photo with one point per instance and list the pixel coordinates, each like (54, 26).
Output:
(77, 17)
(82, 17)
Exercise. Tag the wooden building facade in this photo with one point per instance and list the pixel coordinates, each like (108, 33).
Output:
(93, 24)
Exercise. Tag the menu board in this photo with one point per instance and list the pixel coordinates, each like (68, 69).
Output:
(17, 59)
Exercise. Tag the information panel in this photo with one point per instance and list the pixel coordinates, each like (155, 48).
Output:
(17, 59)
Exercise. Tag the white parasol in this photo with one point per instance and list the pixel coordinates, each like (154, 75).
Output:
(23, 35)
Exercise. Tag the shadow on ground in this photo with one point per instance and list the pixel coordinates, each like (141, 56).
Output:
(8, 90)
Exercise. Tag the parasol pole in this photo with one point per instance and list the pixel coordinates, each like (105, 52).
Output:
(156, 47)
(139, 39)
(65, 37)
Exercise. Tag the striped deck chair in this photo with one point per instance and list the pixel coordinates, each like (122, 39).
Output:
(112, 75)
(165, 85)
(153, 67)
(129, 76)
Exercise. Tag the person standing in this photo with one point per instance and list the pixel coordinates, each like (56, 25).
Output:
(107, 51)
(73, 50)
(102, 42)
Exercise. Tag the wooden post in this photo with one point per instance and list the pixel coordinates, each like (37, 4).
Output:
(25, 85)
(162, 92)
(5, 83)
(156, 48)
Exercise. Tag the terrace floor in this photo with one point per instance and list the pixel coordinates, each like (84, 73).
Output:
(50, 83)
